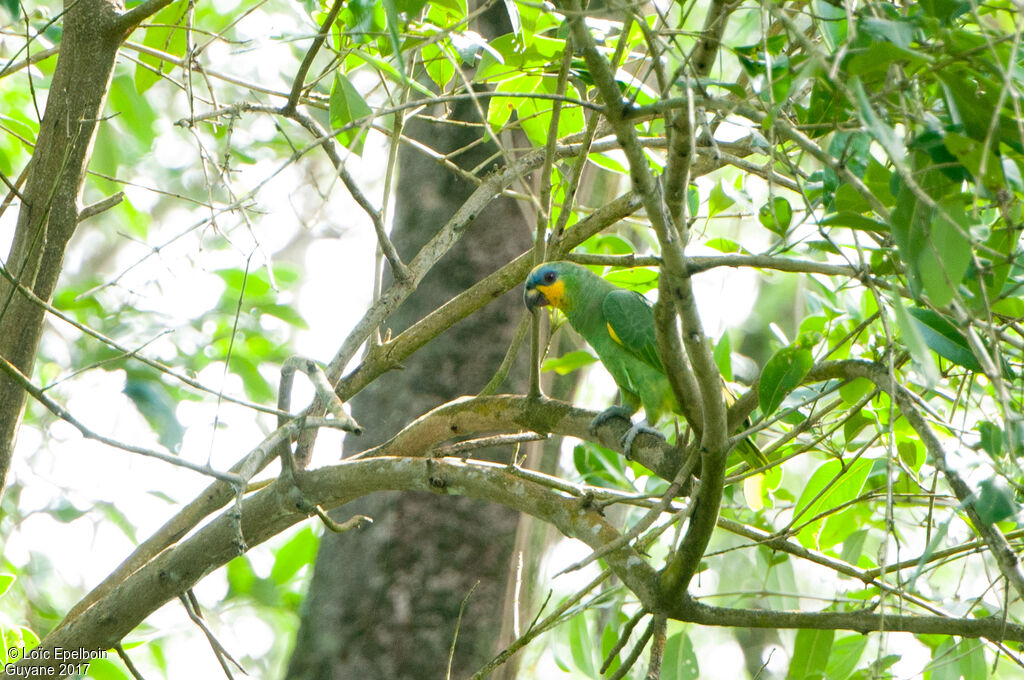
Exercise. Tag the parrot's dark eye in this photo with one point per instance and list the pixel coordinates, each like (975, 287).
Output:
(549, 277)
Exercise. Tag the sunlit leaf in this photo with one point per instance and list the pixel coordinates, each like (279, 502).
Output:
(348, 106)
(776, 215)
(569, 362)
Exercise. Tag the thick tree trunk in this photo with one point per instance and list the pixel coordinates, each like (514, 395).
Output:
(92, 32)
(384, 601)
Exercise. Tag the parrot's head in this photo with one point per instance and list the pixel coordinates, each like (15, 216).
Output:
(549, 283)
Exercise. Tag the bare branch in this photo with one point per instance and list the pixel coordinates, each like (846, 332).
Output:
(100, 206)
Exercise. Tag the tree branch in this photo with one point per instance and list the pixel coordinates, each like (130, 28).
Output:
(714, 436)
(993, 628)
(266, 514)
(136, 15)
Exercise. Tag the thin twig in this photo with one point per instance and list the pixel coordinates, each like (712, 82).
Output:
(458, 624)
(307, 61)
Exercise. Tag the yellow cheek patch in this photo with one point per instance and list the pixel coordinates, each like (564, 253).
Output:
(611, 332)
(554, 293)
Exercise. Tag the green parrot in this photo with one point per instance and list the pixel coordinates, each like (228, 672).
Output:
(619, 325)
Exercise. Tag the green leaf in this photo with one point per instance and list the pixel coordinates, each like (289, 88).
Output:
(609, 636)
(846, 653)
(118, 519)
(972, 659)
(600, 466)
(6, 580)
(992, 438)
(940, 335)
(831, 23)
(156, 404)
(974, 99)
(854, 390)
(511, 59)
(879, 129)
(347, 105)
(165, 35)
(610, 244)
(853, 427)
(439, 67)
(815, 499)
(719, 200)
(411, 7)
(500, 109)
(29, 637)
(679, 661)
(997, 260)
(534, 115)
(693, 199)
(640, 279)
(878, 57)
(723, 357)
(944, 260)
(853, 546)
(776, 215)
(256, 386)
(241, 577)
(914, 340)
(567, 363)
(287, 313)
(945, 10)
(782, 374)
(376, 62)
(995, 501)
(848, 199)
(899, 31)
(298, 552)
(978, 157)
(810, 654)
(394, 25)
(608, 162)
(581, 645)
(724, 245)
(824, 105)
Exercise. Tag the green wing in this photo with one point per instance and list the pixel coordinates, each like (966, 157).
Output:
(630, 319)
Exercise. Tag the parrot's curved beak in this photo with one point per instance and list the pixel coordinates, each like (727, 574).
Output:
(534, 298)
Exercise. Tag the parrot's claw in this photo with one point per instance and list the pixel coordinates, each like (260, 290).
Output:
(607, 414)
(631, 435)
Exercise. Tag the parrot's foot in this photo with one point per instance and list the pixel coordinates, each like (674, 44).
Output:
(607, 414)
(631, 435)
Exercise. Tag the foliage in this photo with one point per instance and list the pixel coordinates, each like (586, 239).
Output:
(865, 160)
